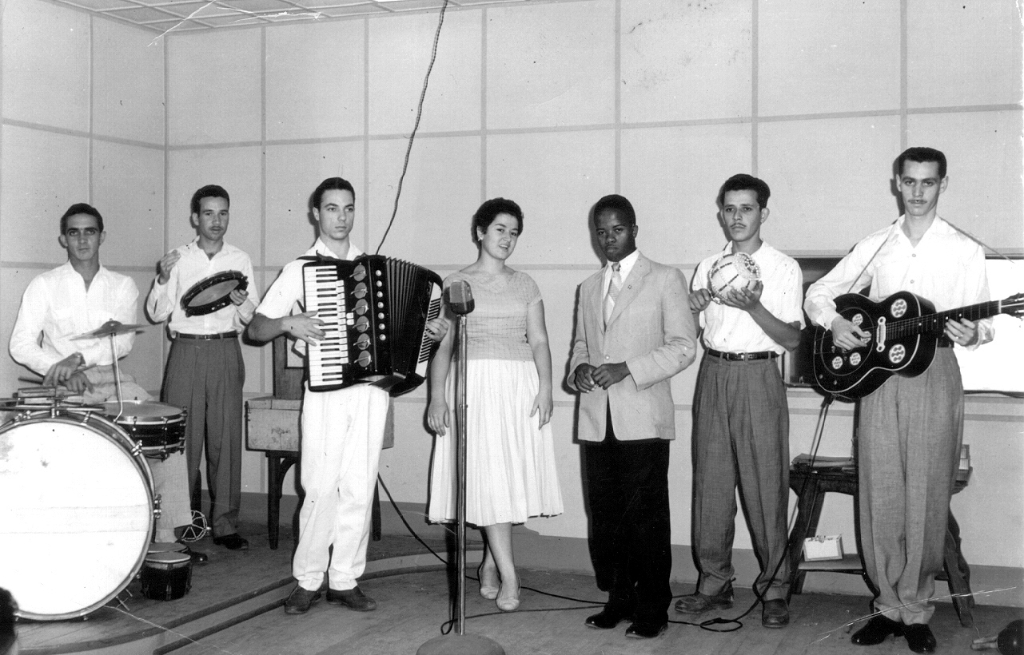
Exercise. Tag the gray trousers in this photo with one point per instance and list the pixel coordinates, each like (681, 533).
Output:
(206, 378)
(909, 452)
(741, 438)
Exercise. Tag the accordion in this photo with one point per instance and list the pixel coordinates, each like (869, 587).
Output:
(375, 311)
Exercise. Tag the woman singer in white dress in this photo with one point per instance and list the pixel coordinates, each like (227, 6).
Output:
(510, 469)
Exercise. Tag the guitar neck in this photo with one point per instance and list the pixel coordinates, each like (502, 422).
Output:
(935, 323)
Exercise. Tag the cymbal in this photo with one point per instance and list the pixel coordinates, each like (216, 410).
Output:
(111, 328)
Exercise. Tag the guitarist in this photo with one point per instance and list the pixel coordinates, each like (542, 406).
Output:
(910, 428)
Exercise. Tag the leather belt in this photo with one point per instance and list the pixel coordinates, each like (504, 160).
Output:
(741, 357)
(207, 337)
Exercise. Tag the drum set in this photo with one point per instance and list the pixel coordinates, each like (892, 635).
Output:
(77, 505)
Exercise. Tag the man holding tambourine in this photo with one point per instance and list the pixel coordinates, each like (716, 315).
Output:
(206, 289)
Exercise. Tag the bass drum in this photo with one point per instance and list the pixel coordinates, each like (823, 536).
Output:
(70, 482)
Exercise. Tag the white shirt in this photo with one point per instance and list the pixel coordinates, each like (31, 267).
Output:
(285, 296)
(165, 299)
(56, 307)
(945, 268)
(625, 266)
(732, 330)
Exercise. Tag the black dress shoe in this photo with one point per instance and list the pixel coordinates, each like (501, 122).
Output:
(919, 637)
(232, 541)
(300, 600)
(353, 599)
(606, 619)
(876, 630)
(646, 629)
(775, 613)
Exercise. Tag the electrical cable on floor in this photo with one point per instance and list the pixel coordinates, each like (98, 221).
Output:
(409, 527)
(708, 625)
(758, 595)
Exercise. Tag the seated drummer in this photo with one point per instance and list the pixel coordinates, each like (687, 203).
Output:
(76, 298)
(205, 371)
(741, 417)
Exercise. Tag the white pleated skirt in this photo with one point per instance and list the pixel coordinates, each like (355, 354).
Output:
(510, 461)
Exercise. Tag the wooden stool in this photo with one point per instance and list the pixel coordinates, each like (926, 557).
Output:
(811, 485)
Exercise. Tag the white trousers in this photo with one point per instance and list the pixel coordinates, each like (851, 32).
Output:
(342, 435)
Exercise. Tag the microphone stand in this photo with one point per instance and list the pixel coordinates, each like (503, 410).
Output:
(461, 643)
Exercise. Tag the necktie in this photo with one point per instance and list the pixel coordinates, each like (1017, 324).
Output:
(613, 292)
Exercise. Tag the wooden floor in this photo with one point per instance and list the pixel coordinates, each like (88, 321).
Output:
(232, 587)
(235, 608)
(413, 606)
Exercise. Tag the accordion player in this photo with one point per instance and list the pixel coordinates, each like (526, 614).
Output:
(374, 311)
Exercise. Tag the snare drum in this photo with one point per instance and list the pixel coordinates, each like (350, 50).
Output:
(212, 293)
(166, 574)
(158, 428)
(71, 481)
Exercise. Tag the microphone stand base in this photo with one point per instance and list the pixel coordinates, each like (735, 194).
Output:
(453, 644)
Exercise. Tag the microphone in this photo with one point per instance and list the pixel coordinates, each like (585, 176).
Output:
(460, 297)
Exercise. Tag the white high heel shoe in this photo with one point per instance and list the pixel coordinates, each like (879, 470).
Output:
(487, 591)
(508, 604)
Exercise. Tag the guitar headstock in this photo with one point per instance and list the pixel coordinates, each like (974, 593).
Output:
(1014, 305)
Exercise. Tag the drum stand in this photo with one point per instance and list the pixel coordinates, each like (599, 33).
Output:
(461, 643)
(117, 378)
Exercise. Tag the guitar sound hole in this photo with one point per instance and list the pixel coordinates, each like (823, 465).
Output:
(897, 353)
(898, 308)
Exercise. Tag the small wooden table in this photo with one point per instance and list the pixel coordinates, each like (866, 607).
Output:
(811, 485)
(272, 425)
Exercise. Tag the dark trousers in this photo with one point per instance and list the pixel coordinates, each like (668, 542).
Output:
(206, 378)
(630, 535)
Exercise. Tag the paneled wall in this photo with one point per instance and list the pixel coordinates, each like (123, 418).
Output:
(83, 121)
(553, 104)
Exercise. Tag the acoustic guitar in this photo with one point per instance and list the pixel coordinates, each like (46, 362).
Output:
(903, 333)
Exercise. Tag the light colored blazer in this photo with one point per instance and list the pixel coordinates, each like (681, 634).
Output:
(651, 329)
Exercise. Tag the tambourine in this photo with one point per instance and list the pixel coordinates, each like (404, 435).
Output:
(735, 271)
(212, 293)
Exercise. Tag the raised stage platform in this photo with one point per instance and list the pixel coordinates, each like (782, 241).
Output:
(234, 586)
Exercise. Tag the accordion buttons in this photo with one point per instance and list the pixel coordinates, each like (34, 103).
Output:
(363, 341)
(359, 273)
(361, 290)
(362, 307)
(362, 324)
(364, 359)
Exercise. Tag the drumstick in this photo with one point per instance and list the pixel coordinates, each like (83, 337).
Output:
(39, 380)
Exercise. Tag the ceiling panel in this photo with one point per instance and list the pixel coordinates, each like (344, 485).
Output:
(189, 15)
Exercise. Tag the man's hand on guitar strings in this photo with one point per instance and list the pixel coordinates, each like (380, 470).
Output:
(962, 332)
(848, 336)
